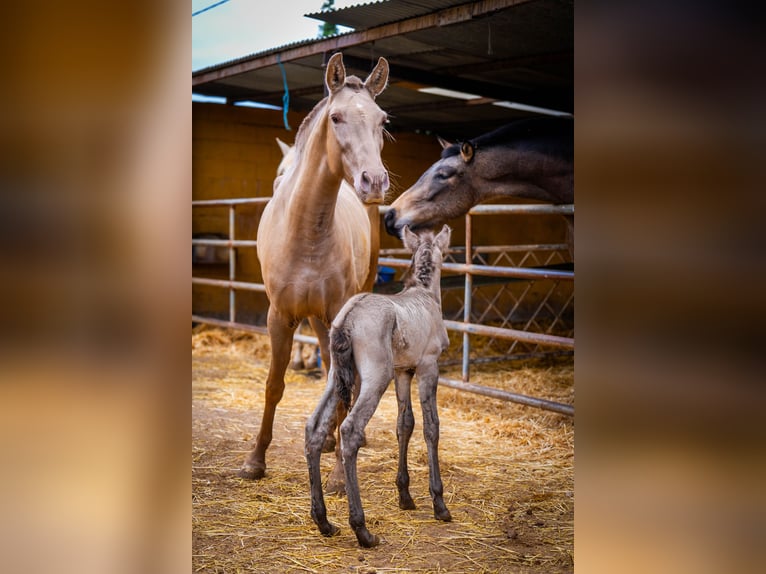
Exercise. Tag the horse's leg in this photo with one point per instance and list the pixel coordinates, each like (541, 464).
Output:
(404, 425)
(323, 335)
(281, 335)
(296, 357)
(428, 375)
(352, 432)
(316, 431)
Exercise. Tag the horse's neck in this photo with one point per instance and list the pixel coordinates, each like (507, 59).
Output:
(523, 179)
(315, 186)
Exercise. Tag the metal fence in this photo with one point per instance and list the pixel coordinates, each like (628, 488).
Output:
(500, 285)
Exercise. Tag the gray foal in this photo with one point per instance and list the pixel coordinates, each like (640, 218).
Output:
(380, 337)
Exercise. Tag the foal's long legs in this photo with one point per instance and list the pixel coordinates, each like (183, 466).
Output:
(316, 430)
(281, 335)
(428, 375)
(405, 423)
(323, 335)
(352, 435)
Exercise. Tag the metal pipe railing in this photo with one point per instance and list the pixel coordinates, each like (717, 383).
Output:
(468, 269)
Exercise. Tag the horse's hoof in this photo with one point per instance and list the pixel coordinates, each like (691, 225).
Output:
(297, 366)
(367, 539)
(329, 444)
(329, 530)
(406, 503)
(252, 472)
(443, 515)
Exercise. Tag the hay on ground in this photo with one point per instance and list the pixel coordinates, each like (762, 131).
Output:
(508, 473)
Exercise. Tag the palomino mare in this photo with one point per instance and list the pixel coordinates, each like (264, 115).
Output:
(314, 239)
(300, 358)
(529, 158)
(380, 337)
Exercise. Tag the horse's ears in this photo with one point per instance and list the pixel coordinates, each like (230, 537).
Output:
(335, 76)
(378, 79)
(467, 150)
(444, 143)
(442, 240)
(283, 146)
(410, 239)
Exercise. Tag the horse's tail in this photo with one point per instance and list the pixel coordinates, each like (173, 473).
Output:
(343, 363)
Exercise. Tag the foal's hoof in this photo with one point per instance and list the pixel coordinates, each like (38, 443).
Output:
(329, 444)
(443, 515)
(252, 471)
(329, 529)
(297, 366)
(367, 539)
(406, 503)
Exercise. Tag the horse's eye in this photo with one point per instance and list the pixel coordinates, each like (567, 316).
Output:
(443, 174)
(336, 119)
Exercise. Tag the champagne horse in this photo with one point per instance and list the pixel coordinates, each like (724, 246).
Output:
(314, 239)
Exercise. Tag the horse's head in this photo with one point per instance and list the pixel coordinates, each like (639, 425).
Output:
(355, 126)
(441, 193)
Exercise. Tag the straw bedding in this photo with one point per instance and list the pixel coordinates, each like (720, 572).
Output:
(508, 473)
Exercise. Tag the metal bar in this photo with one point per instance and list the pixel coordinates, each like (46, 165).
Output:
(512, 209)
(514, 334)
(467, 299)
(490, 270)
(230, 324)
(232, 264)
(522, 209)
(241, 285)
(225, 242)
(480, 249)
(236, 201)
(251, 328)
(562, 408)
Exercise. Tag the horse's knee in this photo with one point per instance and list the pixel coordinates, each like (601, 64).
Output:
(406, 423)
(351, 437)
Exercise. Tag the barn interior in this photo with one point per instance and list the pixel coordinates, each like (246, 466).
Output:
(457, 69)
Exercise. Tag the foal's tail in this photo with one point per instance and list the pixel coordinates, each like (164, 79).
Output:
(343, 363)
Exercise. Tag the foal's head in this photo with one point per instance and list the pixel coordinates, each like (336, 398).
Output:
(427, 254)
(355, 126)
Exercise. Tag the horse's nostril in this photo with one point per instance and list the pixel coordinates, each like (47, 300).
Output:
(390, 222)
(366, 178)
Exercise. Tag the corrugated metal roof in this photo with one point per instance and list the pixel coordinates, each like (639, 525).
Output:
(364, 16)
(503, 50)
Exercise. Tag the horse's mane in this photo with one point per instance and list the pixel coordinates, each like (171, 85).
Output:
(421, 271)
(555, 135)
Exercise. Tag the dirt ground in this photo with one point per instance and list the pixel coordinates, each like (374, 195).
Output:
(508, 473)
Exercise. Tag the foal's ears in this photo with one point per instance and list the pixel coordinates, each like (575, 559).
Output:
(410, 239)
(335, 76)
(378, 79)
(442, 240)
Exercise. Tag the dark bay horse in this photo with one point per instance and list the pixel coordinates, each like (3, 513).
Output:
(531, 158)
(314, 238)
(383, 337)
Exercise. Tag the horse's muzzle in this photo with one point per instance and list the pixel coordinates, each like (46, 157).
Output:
(372, 186)
(390, 220)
